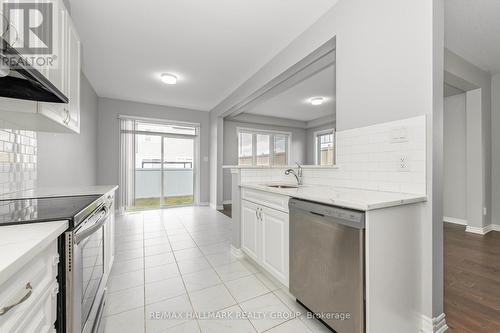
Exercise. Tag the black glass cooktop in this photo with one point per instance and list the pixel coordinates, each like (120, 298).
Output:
(21, 211)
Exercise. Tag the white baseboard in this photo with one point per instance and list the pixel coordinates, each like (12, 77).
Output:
(454, 220)
(227, 202)
(216, 207)
(237, 252)
(483, 230)
(434, 325)
(204, 204)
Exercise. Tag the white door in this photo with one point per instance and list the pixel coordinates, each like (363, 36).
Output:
(250, 229)
(275, 242)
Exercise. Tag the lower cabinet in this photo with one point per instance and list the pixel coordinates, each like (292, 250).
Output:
(29, 298)
(250, 230)
(109, 235)
(265, 238)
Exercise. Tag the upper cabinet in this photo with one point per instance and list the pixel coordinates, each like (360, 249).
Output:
(63, 73)
(73, 75)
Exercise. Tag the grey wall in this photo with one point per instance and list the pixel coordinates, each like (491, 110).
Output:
(108, 133)
(230, 151)
(455, 171)
(495, 132)
(479, 136)
(71, 159)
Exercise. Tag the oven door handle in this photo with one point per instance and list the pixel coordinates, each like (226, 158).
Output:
(86, 232)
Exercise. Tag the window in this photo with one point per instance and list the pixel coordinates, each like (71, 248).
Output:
(158, 163)
(245, 151)
(263, 148)
(324, 147)
(263, 155)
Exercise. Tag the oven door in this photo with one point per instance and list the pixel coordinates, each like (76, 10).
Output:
(85, 274)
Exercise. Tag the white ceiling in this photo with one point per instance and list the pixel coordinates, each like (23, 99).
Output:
(213, 46)
(472, 30)
(294, 103)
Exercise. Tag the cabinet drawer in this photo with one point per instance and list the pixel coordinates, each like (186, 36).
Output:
(271, 200)
(42, 316)
(40, 273)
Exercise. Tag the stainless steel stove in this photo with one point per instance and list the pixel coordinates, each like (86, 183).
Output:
(81, 275)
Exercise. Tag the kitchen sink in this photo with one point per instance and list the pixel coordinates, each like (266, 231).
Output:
(282, 186)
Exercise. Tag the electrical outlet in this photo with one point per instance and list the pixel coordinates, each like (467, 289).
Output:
(485, 211)
(403, 163)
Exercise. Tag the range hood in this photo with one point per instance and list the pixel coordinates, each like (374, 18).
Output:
(24, 81)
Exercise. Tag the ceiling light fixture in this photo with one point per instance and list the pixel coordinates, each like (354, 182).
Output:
(317, 100)
(168, 78)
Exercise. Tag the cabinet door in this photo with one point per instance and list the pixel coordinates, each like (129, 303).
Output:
(250, 229)
(56, 70)
(109, 231)
(73, 77)
(275, 240)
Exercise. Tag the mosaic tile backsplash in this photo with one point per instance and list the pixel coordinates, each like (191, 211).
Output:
(18, 162)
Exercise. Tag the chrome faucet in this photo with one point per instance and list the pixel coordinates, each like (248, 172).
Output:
(298, 174)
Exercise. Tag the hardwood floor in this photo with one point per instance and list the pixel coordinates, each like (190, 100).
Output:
(472, 280)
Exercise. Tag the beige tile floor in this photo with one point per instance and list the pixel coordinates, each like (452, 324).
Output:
(175, 263)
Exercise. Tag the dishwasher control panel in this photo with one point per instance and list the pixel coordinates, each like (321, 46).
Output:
(351, 217)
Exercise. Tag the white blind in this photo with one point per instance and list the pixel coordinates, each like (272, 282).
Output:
(127, 153)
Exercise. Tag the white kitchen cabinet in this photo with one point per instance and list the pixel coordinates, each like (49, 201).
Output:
(109, 237)
(265, 237)
(35, 288)
(250, 229)
(275, 240)
(57, 73)
(73, 76)
(53, 117)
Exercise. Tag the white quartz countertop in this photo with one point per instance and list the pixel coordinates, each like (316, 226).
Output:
(47, 192)
(344, 197)
(21, 243)
(279, 166)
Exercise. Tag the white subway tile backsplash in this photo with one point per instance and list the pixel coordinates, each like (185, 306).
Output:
(18, 160)
(368, 158)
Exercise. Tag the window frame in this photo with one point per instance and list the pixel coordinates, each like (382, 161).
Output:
(317, 146)
(272, 133)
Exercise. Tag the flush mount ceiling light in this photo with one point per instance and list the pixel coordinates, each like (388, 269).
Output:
(317, 100)
(168, 78)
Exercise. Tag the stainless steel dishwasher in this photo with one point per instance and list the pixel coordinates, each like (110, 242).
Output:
(327, 263)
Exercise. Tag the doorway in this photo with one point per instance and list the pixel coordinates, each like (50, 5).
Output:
(164, 163)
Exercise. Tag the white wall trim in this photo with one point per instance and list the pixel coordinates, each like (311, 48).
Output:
(454, 220)
(237, 252)
(479, 230)
(483, 230)
(227, 202)
(204, 204)
(216, 207)
(434, 325)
